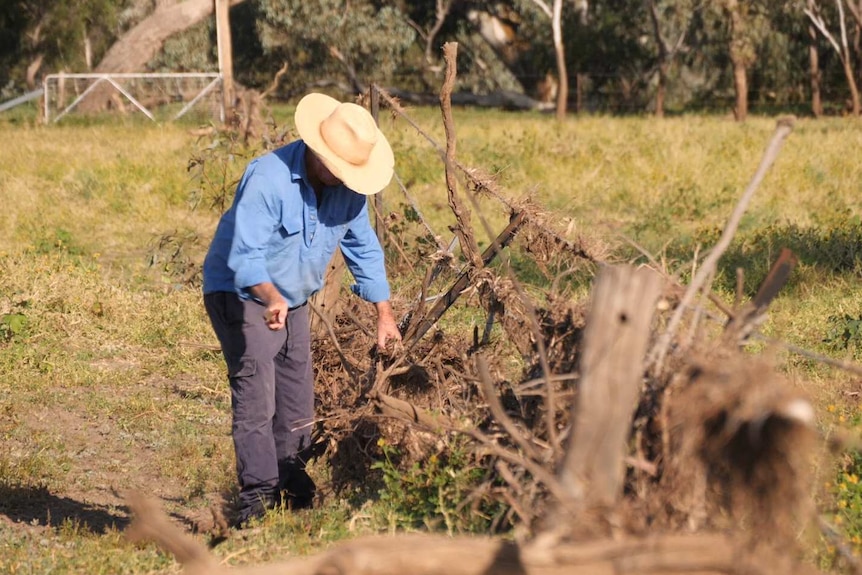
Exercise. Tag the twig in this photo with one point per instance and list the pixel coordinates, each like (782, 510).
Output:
(845, 365)
(440, 245)
(350, 315)
(281, 72)
(351, 369)
(464, 230)
(550, 398)
(482, 184)
(205, 346)
(420, 326)
(537, 470)
(497, 411)
(659, 352)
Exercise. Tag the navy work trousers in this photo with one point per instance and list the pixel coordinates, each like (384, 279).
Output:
(272, 391)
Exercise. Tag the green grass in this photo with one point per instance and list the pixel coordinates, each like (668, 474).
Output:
(109, 380)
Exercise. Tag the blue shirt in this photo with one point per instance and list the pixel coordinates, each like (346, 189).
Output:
(275, 231)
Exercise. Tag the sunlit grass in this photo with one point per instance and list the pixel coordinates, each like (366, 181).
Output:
(96, 339)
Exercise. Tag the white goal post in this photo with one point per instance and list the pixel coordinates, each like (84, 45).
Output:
(156, 95)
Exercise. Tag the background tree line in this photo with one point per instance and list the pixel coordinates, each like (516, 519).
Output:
(629, 56)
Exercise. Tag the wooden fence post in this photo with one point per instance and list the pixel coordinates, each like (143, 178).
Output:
(612, 371)
(327, 299)
(377, 201)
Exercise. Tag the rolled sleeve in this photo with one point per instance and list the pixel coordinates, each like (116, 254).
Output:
(254, 224)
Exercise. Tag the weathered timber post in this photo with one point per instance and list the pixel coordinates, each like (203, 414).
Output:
(377, 199)
(225, 56)
(612, 370)
(327, 299)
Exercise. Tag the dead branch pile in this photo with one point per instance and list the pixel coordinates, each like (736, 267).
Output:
(616, 445)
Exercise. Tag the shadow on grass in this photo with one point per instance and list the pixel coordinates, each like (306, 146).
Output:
(351, 463)
(38, 507)
(822, 252)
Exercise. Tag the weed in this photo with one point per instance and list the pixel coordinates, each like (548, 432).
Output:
(433, 492)
(12, 325)
(845, 332)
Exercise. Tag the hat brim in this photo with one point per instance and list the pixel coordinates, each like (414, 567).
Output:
(367, 179)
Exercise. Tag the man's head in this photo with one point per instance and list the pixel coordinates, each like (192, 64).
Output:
(345, 138)
(317, 170)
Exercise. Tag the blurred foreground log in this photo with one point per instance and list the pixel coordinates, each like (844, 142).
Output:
(438, 554)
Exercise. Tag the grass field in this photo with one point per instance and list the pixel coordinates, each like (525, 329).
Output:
(111, 380)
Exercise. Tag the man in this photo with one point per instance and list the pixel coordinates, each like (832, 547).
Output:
(293, 207)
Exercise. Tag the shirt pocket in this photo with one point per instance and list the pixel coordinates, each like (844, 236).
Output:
(291, 223)
(287, 236)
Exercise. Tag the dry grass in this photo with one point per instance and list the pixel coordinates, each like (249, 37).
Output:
(111, 383)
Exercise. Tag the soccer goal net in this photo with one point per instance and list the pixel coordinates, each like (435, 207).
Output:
(158, 96)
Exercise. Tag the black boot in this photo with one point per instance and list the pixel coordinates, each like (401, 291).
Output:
(296, 488)
(255, 510)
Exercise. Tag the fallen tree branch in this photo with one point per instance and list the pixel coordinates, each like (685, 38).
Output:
(487, 386)
(438, 554)
(419, 328)
(404, 410)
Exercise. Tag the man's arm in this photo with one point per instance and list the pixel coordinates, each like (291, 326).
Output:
(364, 258)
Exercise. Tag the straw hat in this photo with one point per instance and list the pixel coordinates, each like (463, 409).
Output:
(347, 140)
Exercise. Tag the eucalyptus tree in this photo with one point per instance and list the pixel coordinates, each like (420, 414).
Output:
(361, 41)
(611, 54)
(741, 49)
(671, 21)
(55, 35)
(833, 26)
(554, 12)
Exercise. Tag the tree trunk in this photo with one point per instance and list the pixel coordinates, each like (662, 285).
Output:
(612, 367)
(663, 59)
(660, 90)
(741, 55)
(88, 52)
(851, 83)
(33, 69)
(740, 84)
(560, 52)
(140, 44)
(580, 88)
(327, 299)
(225, 57)
(814, 73)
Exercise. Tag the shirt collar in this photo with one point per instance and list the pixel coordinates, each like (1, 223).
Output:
(297, 165)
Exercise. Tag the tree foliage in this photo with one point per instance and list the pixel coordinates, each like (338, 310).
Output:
(55, 35)
(360, 40)
(618, 52)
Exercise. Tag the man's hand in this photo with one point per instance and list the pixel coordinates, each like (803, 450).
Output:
(275, 314)
(387, 329)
